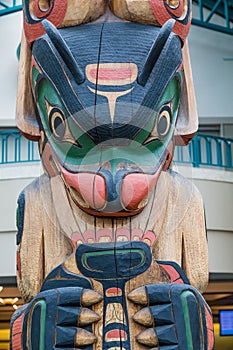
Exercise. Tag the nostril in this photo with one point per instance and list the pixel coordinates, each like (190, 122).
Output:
(114, 182)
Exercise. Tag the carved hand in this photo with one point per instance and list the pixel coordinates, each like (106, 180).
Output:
(176, 317)
(60, 318)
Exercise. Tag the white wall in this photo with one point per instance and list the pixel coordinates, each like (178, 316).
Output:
(220, 245)
(216, 187)
(10, 36)
(7, 254)
(212, 75)
(13, 179)
(218, 200)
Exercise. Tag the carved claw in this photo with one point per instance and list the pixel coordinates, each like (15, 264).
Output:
(155, 315)
(84, 337)
(162, 335)
(139, 296)
(148, 337)
(68, 336)
(90, 297)
(144, 317)
(87, 317)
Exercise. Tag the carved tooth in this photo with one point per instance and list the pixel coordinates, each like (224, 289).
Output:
(144, 317)
(148, 337)
(84, 337)
(139, 296)
(90, 297)
(87, 317)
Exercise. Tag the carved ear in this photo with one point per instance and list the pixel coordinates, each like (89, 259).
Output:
(156, 12)
(135, 11)
(187, 121)
(61, 13)
(83, 11)
(25, 111)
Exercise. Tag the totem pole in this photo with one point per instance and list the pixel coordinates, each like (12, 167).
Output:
(112, 250)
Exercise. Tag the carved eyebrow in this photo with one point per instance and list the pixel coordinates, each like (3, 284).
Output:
(155, 51)
(64, 51)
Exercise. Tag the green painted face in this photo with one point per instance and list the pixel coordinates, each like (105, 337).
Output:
(74, 148)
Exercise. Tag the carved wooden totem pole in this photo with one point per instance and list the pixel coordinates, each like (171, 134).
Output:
(112, 250)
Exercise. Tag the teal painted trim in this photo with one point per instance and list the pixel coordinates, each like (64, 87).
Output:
(6, 9)
(188, 331)
(43, 307)
(212, 26)
(222, 8)
(15, 148)
(18, 51)
(207, 151)
(113, 252)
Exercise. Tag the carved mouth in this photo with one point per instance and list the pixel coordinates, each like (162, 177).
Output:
(101, 193)
(89, 192)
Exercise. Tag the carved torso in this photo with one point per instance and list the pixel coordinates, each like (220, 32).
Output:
(172, 224)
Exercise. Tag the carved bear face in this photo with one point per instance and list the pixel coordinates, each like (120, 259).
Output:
(107, 115)
(107, 97)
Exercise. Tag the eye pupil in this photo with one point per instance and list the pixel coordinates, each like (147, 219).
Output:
(164, 122)
(57, 123)
(162, 125)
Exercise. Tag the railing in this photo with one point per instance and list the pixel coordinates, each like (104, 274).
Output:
(208, 9)
(10, 6)
(14, 148)
(204, 150)
(208, 151)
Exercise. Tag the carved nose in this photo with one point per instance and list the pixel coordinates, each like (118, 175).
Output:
(107, 192)
(129, 188)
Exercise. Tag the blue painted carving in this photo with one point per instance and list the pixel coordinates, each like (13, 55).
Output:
(114, 264)
(176, 329)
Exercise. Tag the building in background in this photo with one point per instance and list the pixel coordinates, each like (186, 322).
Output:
(208, 161)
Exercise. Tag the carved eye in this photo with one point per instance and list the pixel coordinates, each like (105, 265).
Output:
(162, 125)
(164, 122)
(59, 126)
(57, 123)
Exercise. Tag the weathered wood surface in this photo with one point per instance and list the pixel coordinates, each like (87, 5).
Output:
(174, 214)
(109, 237)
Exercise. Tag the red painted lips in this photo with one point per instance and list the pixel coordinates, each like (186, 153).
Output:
(93, 189)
